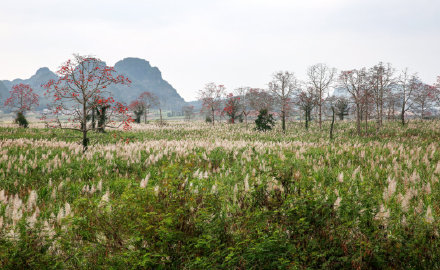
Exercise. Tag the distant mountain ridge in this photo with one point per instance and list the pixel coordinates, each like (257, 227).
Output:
(4, 93)
(143, 76)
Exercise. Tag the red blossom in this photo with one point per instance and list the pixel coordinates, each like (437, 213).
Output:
(22, 98)
(81, 89)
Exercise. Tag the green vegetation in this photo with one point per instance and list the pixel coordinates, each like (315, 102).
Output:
(264, 121)
(189, 195)
(21, 120)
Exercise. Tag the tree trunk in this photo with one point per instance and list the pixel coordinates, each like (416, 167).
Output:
(160, 113)
(307, 119)
(213, 115)
(333, 122)
(93, 119)
(101, 118)
(320, 114)
(394, 112)
(366, 119)
(85, 141)
(377, 116)
(358, 119)
(145, 115)
(402, 116)
(310, 116)
(283, 120)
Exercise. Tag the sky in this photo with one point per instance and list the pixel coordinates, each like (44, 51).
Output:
(231, 42)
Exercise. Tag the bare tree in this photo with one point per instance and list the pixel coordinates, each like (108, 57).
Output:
(148, 100)
(391, 102)
(188, 112)
(159, 105)
(306, 102)
(211, 97)
(243, 94)
(283, 86)
(259, 99)
(320, 78)
(355, 82)
(406, 87)
(423, 99)
(367, 106)
(437, 91)
(381, 80)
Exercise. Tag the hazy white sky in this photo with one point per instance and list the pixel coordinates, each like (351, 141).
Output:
(232, 42)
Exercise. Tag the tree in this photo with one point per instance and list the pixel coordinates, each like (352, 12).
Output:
(211, 97)
(264, 121)
(21, 99)
(381, 80)
(259, 99)
(233, 107)
(138, 109)
(188, 112)
(407, 85)
(391, 102)
(320, 78)
(161, 122)
(423, 99)
(306, 102)
(437, 91)
(148, 100)
(283, 86)
(81, 88)
(356, 83)
(21, 120)
(244, 94)
(331, 102)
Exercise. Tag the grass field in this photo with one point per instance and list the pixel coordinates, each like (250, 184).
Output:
(193, 196)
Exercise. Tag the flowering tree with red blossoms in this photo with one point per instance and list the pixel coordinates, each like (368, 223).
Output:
(81, 89)
(138, 109)
(233, 107)
(22, 99)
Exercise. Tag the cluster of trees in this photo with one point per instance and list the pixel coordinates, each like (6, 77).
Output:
(142, 105)
(80, 94)
(373, 93)
(237, 105)
(380, 92)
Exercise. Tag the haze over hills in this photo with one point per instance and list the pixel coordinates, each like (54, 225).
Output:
(4, 93)
(144, 77)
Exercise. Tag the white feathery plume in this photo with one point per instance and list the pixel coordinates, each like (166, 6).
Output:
(429, 217)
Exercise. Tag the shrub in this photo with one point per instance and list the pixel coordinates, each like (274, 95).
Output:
(264, 121)
(208, 119)
(21, 120)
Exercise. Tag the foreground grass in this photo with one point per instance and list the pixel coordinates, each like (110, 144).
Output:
(189, 195)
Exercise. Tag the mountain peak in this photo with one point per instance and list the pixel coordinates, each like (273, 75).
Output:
(138, 68)
(135, 60)
(43, 70)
